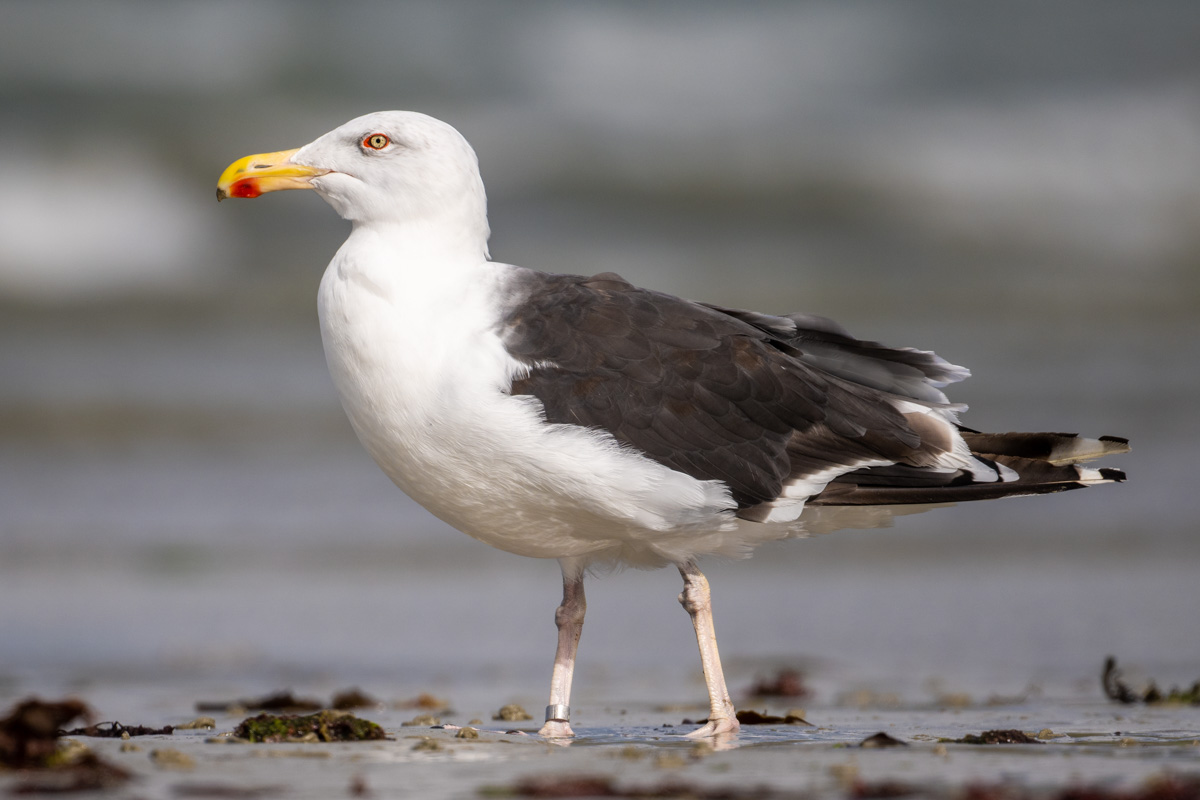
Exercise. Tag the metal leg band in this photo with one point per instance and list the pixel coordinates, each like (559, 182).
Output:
(558, 713)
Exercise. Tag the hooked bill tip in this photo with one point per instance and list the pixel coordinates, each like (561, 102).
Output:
(245, 187)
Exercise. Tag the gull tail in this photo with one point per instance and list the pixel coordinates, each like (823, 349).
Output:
(1053, 448)
(1037, 463)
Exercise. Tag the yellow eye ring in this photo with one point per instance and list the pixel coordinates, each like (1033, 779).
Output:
(376, 141)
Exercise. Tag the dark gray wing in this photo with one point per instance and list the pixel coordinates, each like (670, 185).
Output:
(822, 343)
(716, 394)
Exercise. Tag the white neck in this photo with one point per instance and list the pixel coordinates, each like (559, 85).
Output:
(403, 309)
(414, 243)
(453, 219)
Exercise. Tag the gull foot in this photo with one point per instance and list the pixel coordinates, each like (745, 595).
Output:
(556, 729)
(722, 726)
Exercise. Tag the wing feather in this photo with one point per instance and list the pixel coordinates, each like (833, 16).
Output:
(714, 393)
(775, 407)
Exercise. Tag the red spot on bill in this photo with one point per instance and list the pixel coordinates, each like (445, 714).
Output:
(245, 187)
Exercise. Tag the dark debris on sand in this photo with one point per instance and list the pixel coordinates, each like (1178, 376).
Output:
(358, 787)
(749, 717)
(115, 730)
(887, 788)
(29, 734)
(1011, 736)
(882, 739)
(29, 742)
(350, 699)
(1118, 690)
(565, 786)
(324, 726)
(755, 718)
(286, 702)
(283, 701)
(1169, 787)
(786, 683)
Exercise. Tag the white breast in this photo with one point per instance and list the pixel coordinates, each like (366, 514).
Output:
(423, 376)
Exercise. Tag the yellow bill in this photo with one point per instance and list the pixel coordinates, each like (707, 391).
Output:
(265, 172)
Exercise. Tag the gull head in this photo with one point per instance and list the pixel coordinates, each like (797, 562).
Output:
(386, 167)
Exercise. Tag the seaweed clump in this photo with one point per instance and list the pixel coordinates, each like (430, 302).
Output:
(29, 734)
(115, 730)
(29, 741)
(998, 737)
(324, 726)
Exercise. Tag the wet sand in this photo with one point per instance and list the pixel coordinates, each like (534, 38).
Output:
(1085, 742)
(924, 648)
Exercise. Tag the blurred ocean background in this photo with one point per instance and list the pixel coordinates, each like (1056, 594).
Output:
(1014, 185)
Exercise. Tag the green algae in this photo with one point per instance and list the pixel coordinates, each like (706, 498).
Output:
(324, 726)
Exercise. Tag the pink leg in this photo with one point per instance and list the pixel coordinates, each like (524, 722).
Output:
(697, 601)
(569, 619)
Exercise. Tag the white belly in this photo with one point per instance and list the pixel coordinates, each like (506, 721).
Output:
(423, 377)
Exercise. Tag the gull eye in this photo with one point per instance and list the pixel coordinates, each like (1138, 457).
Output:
(376, 141)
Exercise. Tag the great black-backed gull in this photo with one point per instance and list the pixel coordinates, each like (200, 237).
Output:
(590, 421)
